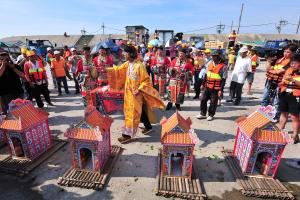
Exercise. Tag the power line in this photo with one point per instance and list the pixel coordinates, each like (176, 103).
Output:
(200, 29)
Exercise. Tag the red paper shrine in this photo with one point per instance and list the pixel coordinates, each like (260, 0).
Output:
(90, 140)
(26, 130)
(178, 146)
(259, 143)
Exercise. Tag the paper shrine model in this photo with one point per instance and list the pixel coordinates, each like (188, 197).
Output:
(178, 142)
(108, 99)
(26, 130)
(90, 141)
(259, 143)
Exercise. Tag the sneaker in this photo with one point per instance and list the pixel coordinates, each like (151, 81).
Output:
(196, 97)
(229, 100)
(294, 163)
(200, 116)
(209, 118)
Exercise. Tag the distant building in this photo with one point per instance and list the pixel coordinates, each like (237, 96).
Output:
(135, 33)
(164, 35)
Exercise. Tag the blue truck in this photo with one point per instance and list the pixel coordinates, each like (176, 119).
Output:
(40, 46)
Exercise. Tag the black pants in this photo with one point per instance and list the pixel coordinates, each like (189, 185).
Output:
(145, 119)
(197, 84)
(7, 98)
(64, 80)
(76, 83)
(28, 90)
(236, 91)
(211, 95)
(37, 90)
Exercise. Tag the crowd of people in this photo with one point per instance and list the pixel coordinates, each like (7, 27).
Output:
(150, 73)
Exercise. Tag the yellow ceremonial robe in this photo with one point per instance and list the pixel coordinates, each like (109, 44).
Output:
(138, 90)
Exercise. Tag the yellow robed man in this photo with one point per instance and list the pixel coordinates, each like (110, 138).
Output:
(139, 95)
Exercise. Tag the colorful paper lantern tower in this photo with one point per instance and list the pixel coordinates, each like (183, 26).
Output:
(178, 146)
(90, 141)
(26, 130)
(259, 143)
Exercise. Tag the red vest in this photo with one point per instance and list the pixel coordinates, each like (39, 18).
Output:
(36, 75)
(280, 64)
(254, 60)
(287, 85)
(213, 77)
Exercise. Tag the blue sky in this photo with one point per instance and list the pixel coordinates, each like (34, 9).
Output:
(36, 17)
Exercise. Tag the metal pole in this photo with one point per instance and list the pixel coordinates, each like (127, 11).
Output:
(102, 28)
(298, 26)
(240, 19)
(231, 26)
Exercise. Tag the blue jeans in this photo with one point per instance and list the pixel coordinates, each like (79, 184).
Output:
(270, 97)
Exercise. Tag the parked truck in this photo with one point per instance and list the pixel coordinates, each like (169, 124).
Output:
(40, 46)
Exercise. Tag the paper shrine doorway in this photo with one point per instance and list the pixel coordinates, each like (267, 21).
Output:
(177, 162)
(86, 159)
(18, 148)
(262, 163)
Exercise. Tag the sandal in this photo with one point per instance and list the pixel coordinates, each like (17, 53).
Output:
(146, 131)
(295, 139)
(124, 139)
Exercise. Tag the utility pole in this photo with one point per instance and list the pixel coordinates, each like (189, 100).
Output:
(83, 32)
(103, 27)
(240, 18)
(298, 26)
(281, 24)
(220, 28)
(231, 26)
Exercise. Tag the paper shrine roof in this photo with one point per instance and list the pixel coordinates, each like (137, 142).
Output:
(22, 115)
(92, 127)
(168, 137)
(259, 126)
(177, 138)
(173, 121)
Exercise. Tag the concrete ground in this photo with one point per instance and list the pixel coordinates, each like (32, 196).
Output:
(134, 174)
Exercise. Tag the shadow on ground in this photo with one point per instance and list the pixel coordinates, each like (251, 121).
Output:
(209, 137)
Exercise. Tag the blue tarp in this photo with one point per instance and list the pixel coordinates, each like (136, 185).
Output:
(105, 44)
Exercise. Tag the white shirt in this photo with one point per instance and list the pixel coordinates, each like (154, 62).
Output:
(241, 67)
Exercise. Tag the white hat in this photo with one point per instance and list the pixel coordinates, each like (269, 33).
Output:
(243, 49)
(73, 49)
(56, 52)
(49, 48)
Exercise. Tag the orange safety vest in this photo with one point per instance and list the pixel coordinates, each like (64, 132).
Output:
(213, 77)
(254, 60)
(36, 74)
(288, 85)
(280, 64)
